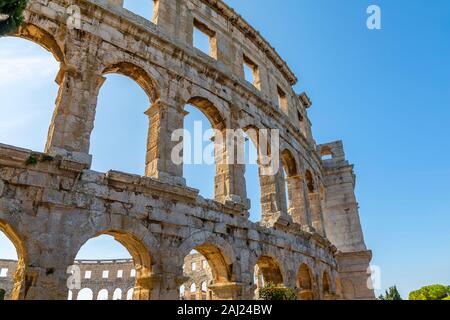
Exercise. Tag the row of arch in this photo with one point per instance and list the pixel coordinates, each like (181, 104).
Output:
(216, 110)
(221, 258)
(103, 294)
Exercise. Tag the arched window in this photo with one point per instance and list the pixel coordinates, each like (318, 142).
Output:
(130, 294)
(119, 138)
(121, 245)
(182, 292)
(305, 283)
(117, 295)
(310, 181)
(193, 291)
(252, 172)
(199, 162)
(26, 67)
(217, 270)
(267, 271)
(12, 248)
(326, 283)
(85, 294)
(103, 295)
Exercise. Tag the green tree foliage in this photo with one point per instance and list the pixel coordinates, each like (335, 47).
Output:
(272, 292)
(11, 15)
(433, 292)
(391, 294)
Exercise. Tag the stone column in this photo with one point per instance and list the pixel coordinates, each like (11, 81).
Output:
(45, 283)
(164, 120)
(198, 294)
(273, 199)
(315, 203)
(299, 205)
(73, 119)
(229, 179)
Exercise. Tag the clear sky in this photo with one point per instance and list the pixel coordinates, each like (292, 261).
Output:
(385, 93)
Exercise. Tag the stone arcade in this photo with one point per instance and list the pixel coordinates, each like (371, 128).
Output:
(52, 203)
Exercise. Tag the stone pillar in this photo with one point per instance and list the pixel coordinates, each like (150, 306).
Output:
(199, 294)
(73, 119)
(299, 205)
(354, 272)
(315, 203)
(229, 179)
(147, 287)
(45, 283)
(273, 199)
(164, 120)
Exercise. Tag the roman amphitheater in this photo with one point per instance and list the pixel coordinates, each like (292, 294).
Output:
(309, 238)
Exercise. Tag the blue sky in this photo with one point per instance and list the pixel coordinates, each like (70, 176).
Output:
(385, 93)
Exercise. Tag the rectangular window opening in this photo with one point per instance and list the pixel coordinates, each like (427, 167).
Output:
(204, 39)
(88, 274)
(119, 273)
(105, 274)
(251, 72)
(282, 99)
(301, 122)
(3, 272)
(146, 9)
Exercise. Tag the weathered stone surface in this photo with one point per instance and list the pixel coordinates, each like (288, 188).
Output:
(51, 206)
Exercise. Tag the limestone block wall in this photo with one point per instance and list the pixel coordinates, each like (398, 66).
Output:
(51, 203)
(118, 278)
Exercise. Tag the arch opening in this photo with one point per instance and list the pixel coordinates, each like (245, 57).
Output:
(12, 262)
(199, 151)
(120, 262)
(117, 295)
(252, 174)
(305, 283)
(29, 63)
(326, 284)
(204, 147)
(206, 271)
(267, 271)
(119, 138)
(85, 294)
(310, 181)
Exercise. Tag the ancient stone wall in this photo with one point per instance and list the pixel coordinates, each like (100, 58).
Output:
(51, 203)
(116, 278)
